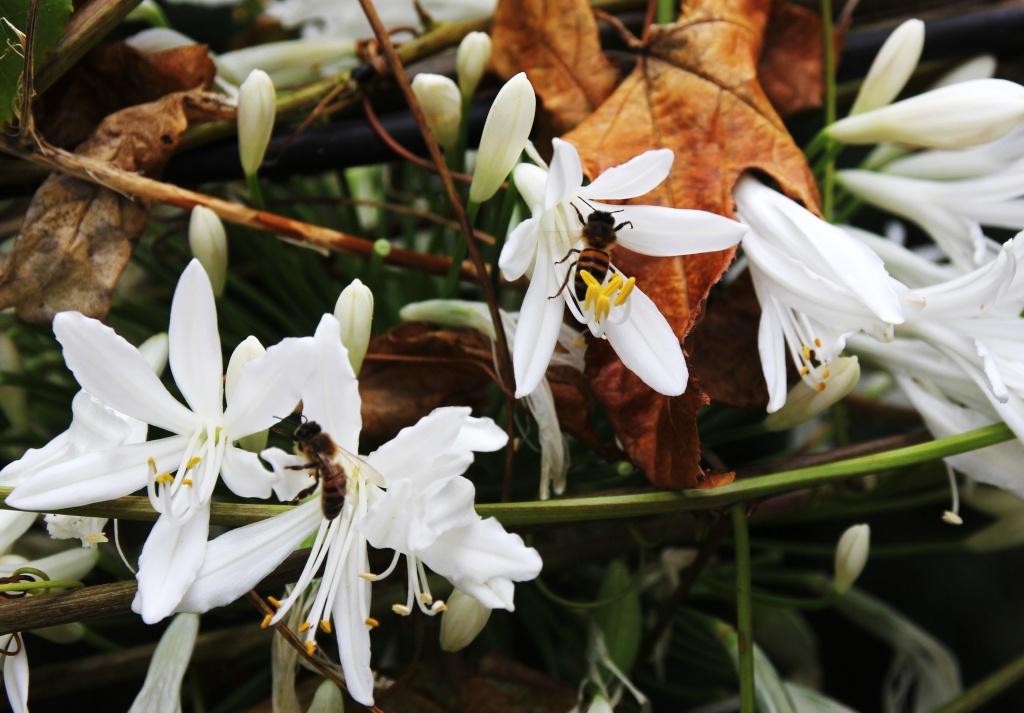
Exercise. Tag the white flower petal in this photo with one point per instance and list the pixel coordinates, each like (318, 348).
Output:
(771, 345)
(410, 453)
(269, 388)
(665, 232)
(517, 254)
(540, 320)
(16, 472)
(331, 394)
(195, 357)
(170, 559)
(289, 482)
(16, 676)
(647, 346)
(565, 176)
(245, 475)
(236, 561)
(639, 175)
(116, 373)
(97, 476)
(480, 435)
(69, 564)
(13, 525)
(350, 610)
(161, 690)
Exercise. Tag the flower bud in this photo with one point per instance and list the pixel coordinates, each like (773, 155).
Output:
(451, 313)
(505, 134)
(462, 621)
(327, 699)
(851, 556)
(354, 311)
(955, 116)
(599, 704)
(805, 401)
(471, 60)
(155, 350)
(892, 67)
(257, 105)
(442, 106)
(209, 244)
(244, 353)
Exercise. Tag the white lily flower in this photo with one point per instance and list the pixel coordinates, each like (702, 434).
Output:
(554, 454)
(957, 164)
(614, 309)
(161, 691)
(951, 117)
(816, 286)
(200, 449)
(68, 565)
(426, 512)
(893, 66)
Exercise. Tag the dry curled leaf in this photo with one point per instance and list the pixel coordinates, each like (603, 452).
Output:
(556, 43)
(412, 370)
(694, 90)
(78, 236)
(790, 68)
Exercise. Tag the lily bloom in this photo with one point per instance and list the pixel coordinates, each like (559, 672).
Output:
(200, 449)
(409, 495)
(546, 243)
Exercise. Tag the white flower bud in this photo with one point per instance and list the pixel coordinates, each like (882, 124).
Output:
(505, 134)
(893, 66)
(209, 245)
(851, 556)
(805, 401)
(464, 619)
(155, 350)
(442, 106)
(451, 313)
(471, 60)
(257, 106)
(956, 116)
(328, 699)
(599, 704)
(244, 353)
(354, 311)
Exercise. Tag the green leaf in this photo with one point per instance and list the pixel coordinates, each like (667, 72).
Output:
(620, 621)
(51, 20)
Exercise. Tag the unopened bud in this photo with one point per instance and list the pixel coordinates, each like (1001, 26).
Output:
(328, 699)
(805, 401)
(257, 107)
(209, 244)
(442, 106)
(851, 556)
(354, 312)
(244, 353)
(504, 137)
(599, 704)
(893, 66)
(155, 350)
(464, 619)
(471, 60)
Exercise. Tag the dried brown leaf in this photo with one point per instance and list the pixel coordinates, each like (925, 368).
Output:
(78, 236)
(556, 43)
(790, 65)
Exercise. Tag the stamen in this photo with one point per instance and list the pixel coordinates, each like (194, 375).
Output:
(186, 481)
(266, 621)
(952, 516)
(589, 279)
(804, 370)
(821, 386)
(193, 462)
(165, 480)
(370, 621)
(824, 374)
(305, 627)
(817, 343)
(438, 607)
(807, 353)
(274, 602)
(152, 465)
(368, 576)
(425, 598)
(624, 292)
(401, 609)
(95, 538)
(325, 626)
(310, 647)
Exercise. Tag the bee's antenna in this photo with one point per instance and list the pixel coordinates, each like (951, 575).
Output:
(587, 202)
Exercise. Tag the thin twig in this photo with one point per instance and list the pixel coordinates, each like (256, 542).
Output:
(504, 355)
(26, 124)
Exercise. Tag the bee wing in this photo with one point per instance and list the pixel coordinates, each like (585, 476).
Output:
(354, 465)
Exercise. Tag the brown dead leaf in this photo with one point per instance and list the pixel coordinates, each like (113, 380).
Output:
(556, 43)
(78, 236)
(112, 77)
(412, 370)
(790, 65)
(695, 91)
(575, 404)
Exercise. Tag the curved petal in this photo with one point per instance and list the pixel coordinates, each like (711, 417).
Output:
(637, 176)
(662, 232)
(97, 476)
(565, 176)
(540, 319)
(269, 388)
(170, 559)
(16, 677)
(521, 246)
(647, 346)
(331, 394)
(194, 343)
(69, 564)
(531, 181)
(236, 561)
(481, 435)
(245, 475)
(35, 459)
(116, 373)
(771, 346)
(12, 526)
(350, 609)
(161, 691)
(405, 455)
(288, 482)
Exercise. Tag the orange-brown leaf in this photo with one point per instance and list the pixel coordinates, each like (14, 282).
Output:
(556, 43)
(694, 90)
(790, 66)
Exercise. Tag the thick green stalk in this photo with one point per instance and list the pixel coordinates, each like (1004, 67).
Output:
(744, 608)
(982, 692)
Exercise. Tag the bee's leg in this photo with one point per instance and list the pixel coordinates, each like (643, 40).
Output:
(573, 250)
(568, 274)
(578, 214)
(306, 492)
(623, 225)
(304, 466)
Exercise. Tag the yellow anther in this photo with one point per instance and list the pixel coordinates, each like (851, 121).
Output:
(804, 370)
(186, 481)
(624, 292)
(304, 627)
(370, 621)
(821, 386)
(193, 462)
(604, 306)
(165, 479)
(817, 343)
(152, 466)
(807, 353)
(579, 342)
(401, 609)
(310, 648)
(824, 374)
(425, 598)
(325, 626)
(368, 576)
(266, 621)
(613, 284)
(274, 602)
(589, 279)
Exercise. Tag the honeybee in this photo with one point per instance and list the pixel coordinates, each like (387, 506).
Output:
(599, 234)
(324, 462)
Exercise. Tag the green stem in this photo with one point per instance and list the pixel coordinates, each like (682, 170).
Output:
(829, 69)
(744, 608)
(451, 282)
(255, 192)
(666, 12)
(982, 692)
(45, 585)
